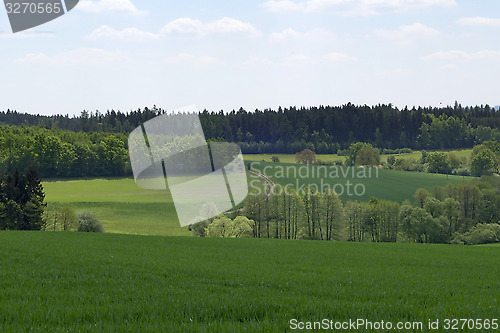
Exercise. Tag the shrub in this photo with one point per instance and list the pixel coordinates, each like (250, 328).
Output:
(199, 229)
(59, 218)
(275, 159)
(223, 226)
(306, 156)
(89, 223)
(479, 234)
(462, 172)
(405, 151)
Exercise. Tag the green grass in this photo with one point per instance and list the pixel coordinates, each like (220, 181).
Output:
(290, 158)
(381, 183)
(123, 207)
(70, 282)
(120, 204)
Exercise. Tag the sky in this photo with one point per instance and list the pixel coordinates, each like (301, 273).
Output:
(255, 54)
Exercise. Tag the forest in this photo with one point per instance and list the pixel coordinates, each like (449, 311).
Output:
(324, 128)
(96, 144)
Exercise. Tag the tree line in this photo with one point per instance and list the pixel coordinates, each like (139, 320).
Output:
(466, 213)
(324, 129)
(59, 153)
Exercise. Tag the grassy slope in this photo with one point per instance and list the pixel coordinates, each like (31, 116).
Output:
(120, 205)
(290, 158)
(103, 282)
(389, 184)
(125, 208)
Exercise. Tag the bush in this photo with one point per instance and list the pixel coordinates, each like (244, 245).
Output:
(89, 223)
(199, 229)
(59, 218)
(462, 172)
(275, 159)
(479, 234)
(387, 151)
(240, 227)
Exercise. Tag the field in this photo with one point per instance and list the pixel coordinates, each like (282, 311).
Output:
(123, 207)
(290, 158)
(120, 204)
(384, 184)
(62, 282)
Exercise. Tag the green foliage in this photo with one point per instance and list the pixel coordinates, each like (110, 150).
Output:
(453, 161)
(361, 153)
(21, 201)
(306, 156)
(479, 234)
(438, 163)
(199, 229)
(275, 159)
(57, 218)
(57, 153)
(375, 221)
(223, 226)
(483, 162)
(89, 223)
(403, 164)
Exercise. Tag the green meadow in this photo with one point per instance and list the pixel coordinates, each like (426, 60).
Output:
(290, 158)
(123, 207)
(120, 204)
(370, 182)
(75, 282)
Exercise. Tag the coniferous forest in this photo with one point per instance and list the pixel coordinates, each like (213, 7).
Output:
(95, 143)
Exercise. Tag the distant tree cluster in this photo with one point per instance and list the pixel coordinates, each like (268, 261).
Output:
(21, 201)
(485, 161)
(57, 153)
(467, 213)
(95, 144)
(323, 129)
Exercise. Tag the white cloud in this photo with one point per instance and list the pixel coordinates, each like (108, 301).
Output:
(316, 35)
(188, 25)
(193, 60)
(82, 56)
(230, 25)
(127, 34)
(353, 7)
(103, 6)
(183, 25)
(480, 21)
(406, 32)
(330, 58)
(458, 54)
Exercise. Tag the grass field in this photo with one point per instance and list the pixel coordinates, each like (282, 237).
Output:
(120, 204)
(70, 282)
(123, 207)
(384, 184)
(290, 158)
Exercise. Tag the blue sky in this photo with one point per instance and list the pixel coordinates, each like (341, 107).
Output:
(124, 55)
